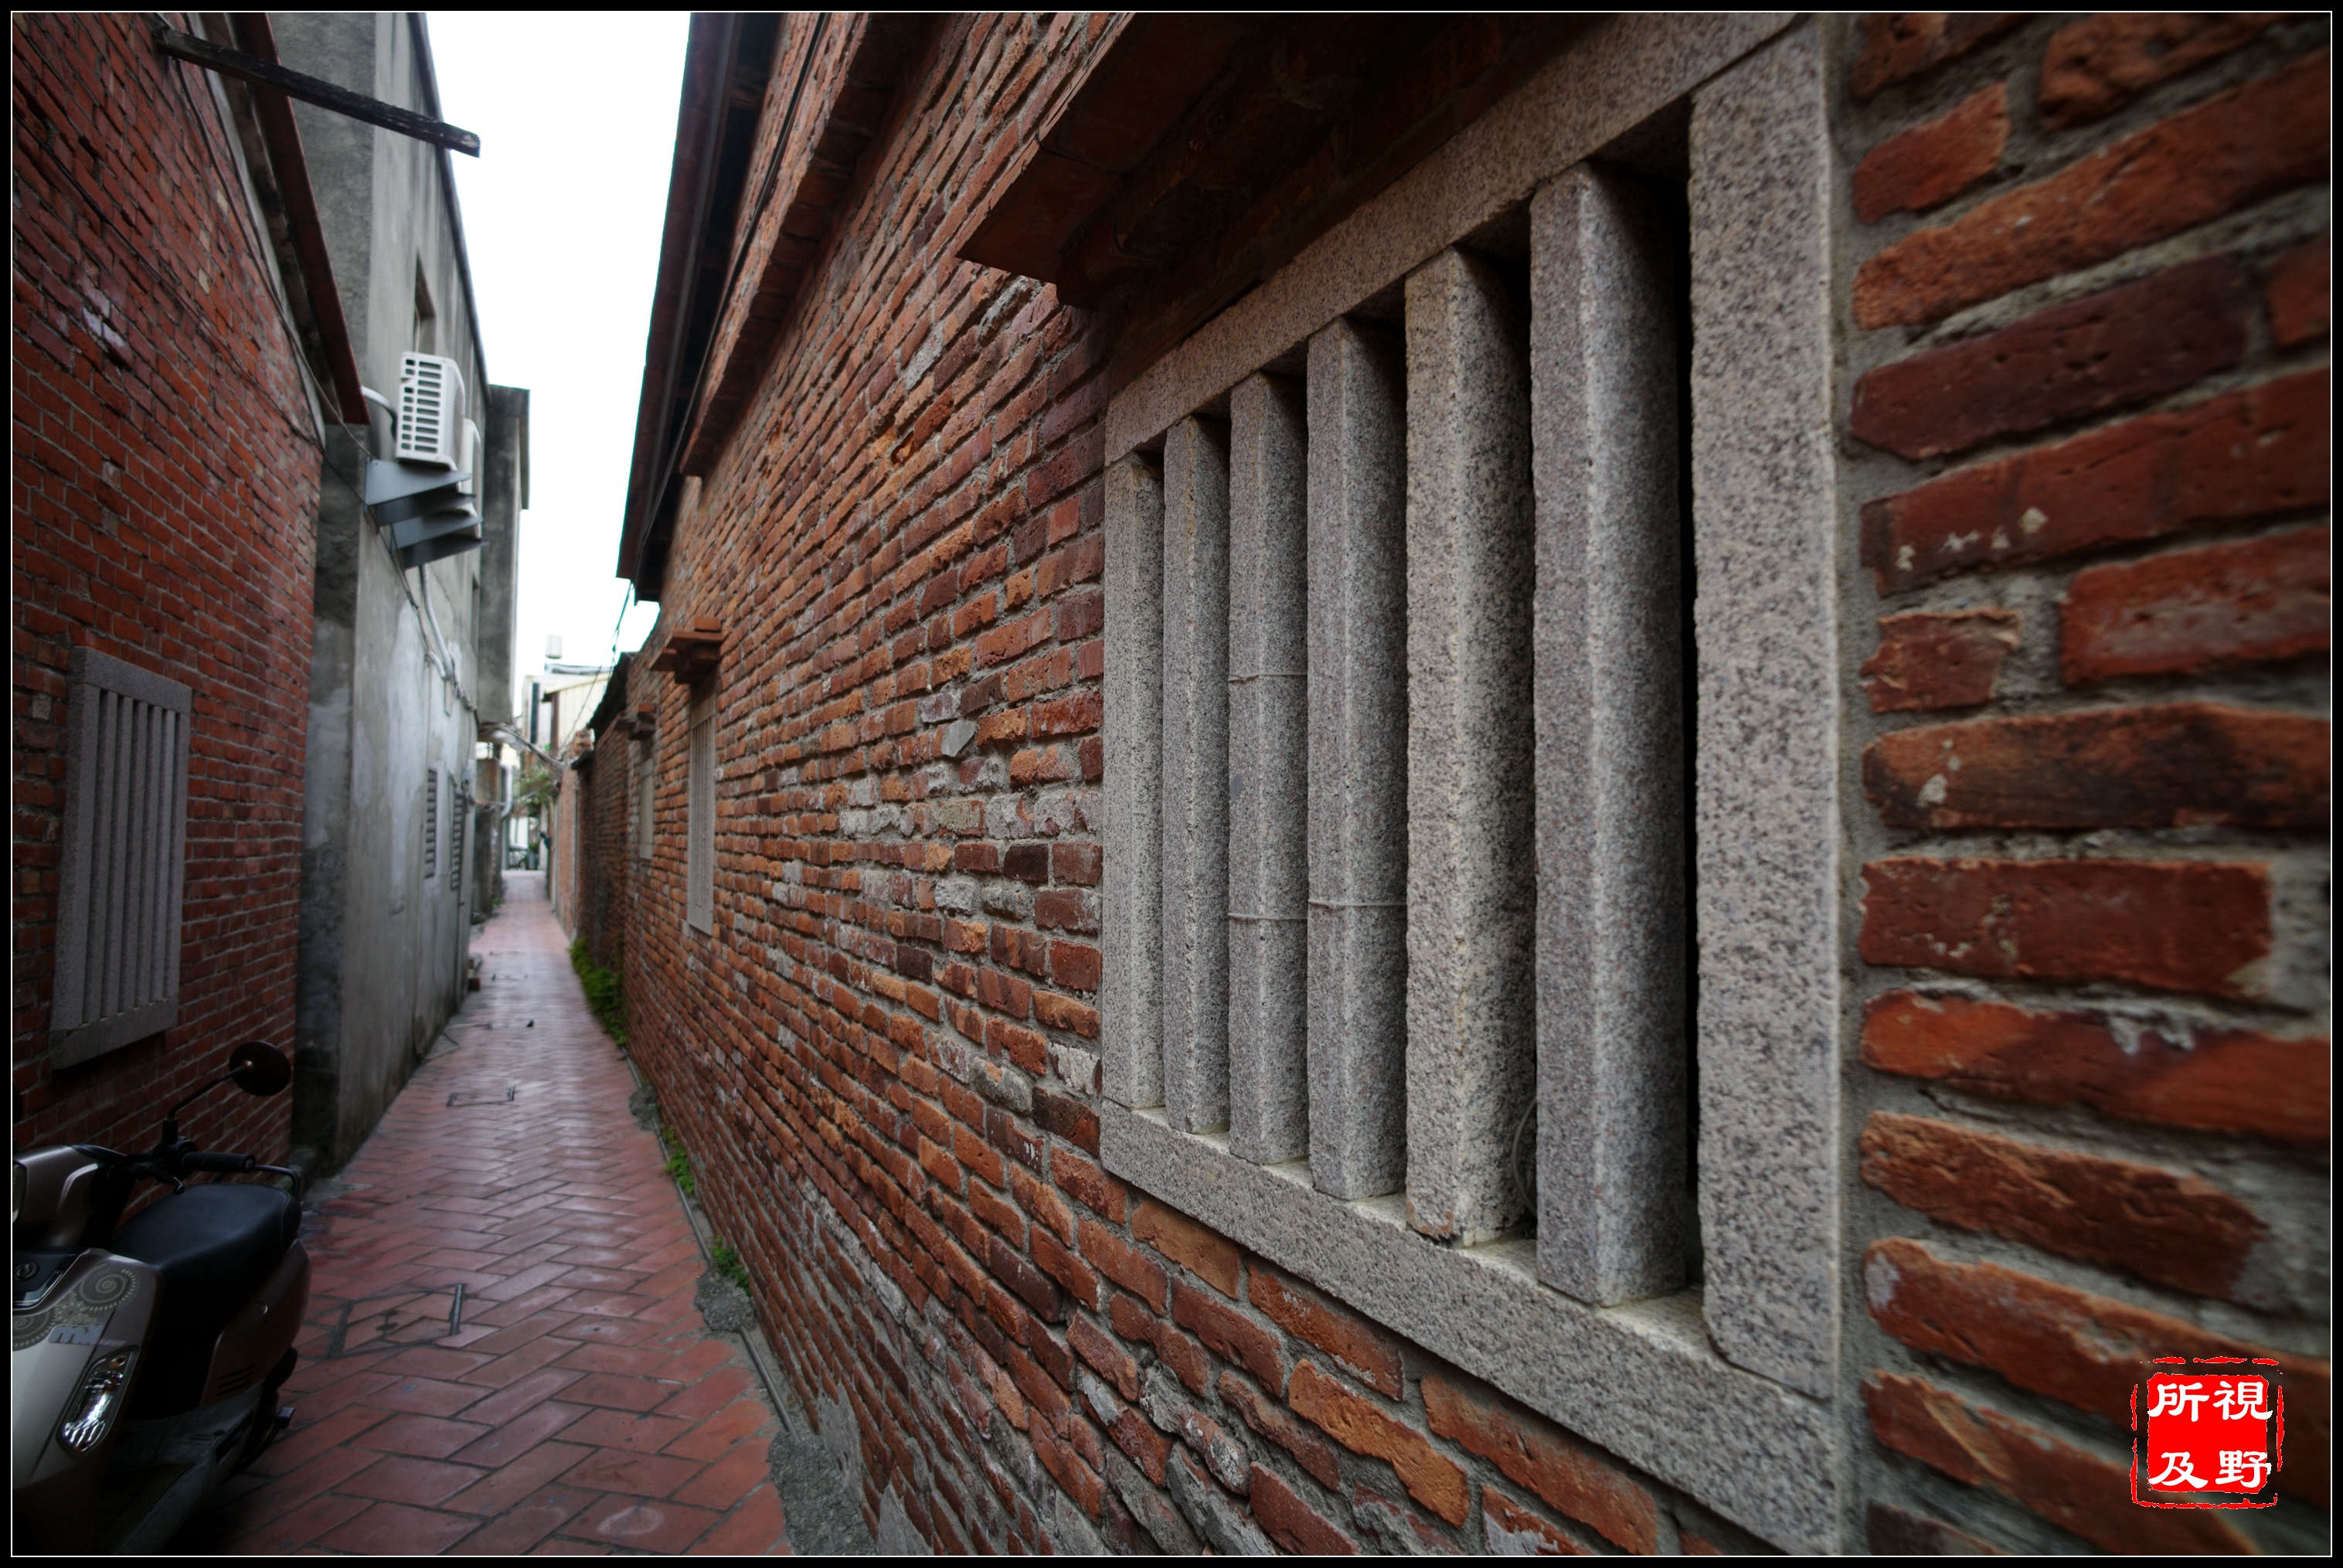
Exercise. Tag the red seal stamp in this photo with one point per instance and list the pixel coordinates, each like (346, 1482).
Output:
(2208, 1434)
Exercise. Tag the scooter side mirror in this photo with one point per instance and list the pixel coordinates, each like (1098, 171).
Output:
(259, 1068)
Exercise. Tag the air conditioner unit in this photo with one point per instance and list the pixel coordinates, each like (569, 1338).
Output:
(470, 463)
(430, 411)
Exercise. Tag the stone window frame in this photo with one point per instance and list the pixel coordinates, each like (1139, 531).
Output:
(700, 814)
(1748, 1358)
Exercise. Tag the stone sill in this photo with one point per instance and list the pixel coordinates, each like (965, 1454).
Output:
(1642, 1379)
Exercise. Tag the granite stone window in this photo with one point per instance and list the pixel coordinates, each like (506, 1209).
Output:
(1414, 560)
(124, 867)
(700, 828)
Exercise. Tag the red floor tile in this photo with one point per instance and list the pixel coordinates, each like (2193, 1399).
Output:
(529, 1431)
(423, 1436)
(425, 1396)
(527, 1523)
(642, 1526)
(709, 1438)
(395, 1478)
(505, 1488)
(392, 1530)
(730, 1479)
(755, 1529)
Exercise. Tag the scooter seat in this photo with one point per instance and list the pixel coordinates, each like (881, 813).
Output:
(213, 1245)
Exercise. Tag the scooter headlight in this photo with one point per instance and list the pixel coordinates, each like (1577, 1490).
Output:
(93, 1410)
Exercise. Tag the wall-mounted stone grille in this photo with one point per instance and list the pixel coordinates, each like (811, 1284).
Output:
(1401, 772)
(1418, 685)
(118, 953)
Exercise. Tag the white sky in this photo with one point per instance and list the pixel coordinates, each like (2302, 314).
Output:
(562, 214)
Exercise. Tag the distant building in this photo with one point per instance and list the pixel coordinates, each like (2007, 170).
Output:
(413, 662)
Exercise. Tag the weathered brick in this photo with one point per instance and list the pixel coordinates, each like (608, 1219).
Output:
(1131, 1434)
(1899, 1533)
(1090, 1186)
(1213, 1257)
(2210, 1079)
(1535, 1454)
(2183, 926)
(2085, 1350)
(2243, 455)
(2124, 345)
(2176, 1229)
(2216, 158)
(1356, 1345)
(1267, 1417)
(1292, 1523)
(1067, 1117)
(2247, 602)
(1938, 659)
(1110, 1360)
(2095, 67)
(1362, 1426)
(1042, 1203)
(2296, 295)
(1064, 1012)
(1125, 1264)
(1062, 1266)
(1898, 46)
(2172, 765)
(1930, 163)
(1027, 862)
(1229, 1334)
(1075, 865)
(2072, 1488)
(1081, 1482)
(1514, 1530)
(1075, 965)
(1032, 1286)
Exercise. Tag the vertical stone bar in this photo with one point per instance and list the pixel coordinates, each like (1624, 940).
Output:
(1765, 538)
(1269, 766)
(1196, 775)
(1611, 1189)
(1358, 762)
(1130, 990)
(1471, 874)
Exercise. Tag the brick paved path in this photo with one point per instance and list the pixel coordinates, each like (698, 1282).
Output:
(583, 1405)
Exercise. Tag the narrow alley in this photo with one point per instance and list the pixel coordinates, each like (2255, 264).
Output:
(584, 1401)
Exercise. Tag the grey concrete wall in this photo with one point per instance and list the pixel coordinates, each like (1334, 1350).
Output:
(406, 663)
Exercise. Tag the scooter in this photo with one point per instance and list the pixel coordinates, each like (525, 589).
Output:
(147, 1353)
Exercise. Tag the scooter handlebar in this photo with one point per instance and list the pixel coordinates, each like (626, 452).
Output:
(229, 1164)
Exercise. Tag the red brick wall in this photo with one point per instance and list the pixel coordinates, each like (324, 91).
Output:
(882, 1059)
(2089, 429)
(164, 495)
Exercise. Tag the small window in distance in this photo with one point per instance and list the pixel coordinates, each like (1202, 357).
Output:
(646, 796)
(426, 317)
(123, 872)
(459, 808)
(430, 823)
(699, 869)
